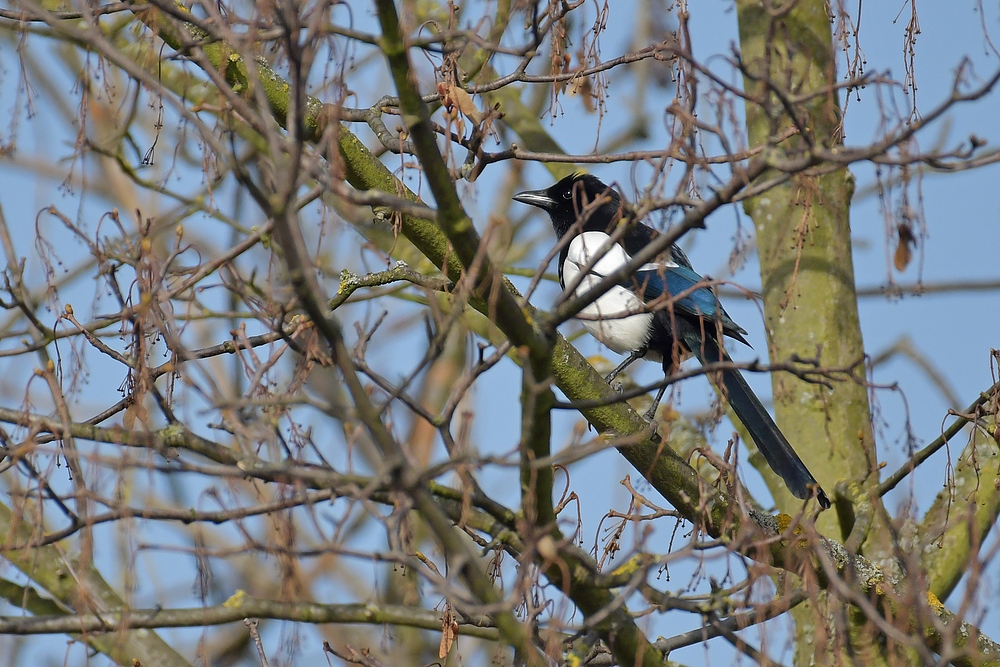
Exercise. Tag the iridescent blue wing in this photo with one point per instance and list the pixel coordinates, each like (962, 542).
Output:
(653, 281)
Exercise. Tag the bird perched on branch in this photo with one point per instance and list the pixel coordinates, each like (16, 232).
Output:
(661, 311)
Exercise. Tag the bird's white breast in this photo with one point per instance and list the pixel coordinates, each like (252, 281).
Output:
(616, 318)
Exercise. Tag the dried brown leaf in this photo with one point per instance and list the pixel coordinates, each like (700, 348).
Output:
(449, 632)
(904, 252)
(464, 102)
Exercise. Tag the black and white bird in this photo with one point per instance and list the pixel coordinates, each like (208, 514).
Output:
(662, 312)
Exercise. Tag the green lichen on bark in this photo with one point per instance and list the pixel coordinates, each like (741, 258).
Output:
(803, 238)
(963, 513)
(807, 271)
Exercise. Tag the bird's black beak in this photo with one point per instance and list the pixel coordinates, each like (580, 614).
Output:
(539, 198)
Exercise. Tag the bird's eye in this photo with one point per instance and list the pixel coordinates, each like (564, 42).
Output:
(568, 195)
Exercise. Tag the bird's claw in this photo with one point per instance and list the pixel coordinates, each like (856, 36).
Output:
(618, 387)
(654, 427)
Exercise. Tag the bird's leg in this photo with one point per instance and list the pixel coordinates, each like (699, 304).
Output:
(651, 413)
(632, 356)
(669, 367)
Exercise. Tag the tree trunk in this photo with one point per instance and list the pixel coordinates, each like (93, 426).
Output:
(807, 277)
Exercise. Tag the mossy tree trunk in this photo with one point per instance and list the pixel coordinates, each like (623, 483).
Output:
(807, 275)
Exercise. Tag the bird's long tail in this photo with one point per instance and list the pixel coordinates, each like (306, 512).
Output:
(770, 440)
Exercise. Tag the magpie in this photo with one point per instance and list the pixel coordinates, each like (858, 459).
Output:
(663, 312)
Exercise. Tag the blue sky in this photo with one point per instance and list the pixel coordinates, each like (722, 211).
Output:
(962, 213)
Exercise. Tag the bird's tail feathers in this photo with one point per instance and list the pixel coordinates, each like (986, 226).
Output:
(765, 433)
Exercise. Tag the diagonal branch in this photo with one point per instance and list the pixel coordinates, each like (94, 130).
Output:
(712, 511)
(77, 586)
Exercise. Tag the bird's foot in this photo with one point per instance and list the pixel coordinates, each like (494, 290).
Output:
(650, 415)
(618, 387)
(654, 427)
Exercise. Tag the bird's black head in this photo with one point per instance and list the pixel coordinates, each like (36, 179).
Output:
(575, 198)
